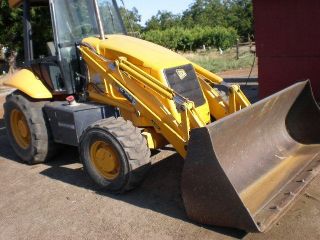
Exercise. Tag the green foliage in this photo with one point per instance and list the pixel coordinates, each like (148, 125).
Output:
(163, 20)
(205, 13)
(178, 38)
(213, 23)
(131, 19)
(11, 27)
(236, 14)
(240, 16)
(42, 30)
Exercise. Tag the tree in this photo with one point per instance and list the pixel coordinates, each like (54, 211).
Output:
(205, 13)
(11, 34)
(131, 19)
(227, 13)
(179, 38)
(163, 20)
(11, 26)
(41, 30)
(206, 22)
(240, 16)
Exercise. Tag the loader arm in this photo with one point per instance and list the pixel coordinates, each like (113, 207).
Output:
(218, 108)
(133, 82)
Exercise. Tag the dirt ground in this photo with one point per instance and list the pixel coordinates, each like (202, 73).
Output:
(58, 201)
(240, 73)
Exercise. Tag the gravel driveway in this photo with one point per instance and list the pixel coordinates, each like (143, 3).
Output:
(58, 201)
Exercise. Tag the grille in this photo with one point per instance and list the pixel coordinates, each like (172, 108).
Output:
(184, 81)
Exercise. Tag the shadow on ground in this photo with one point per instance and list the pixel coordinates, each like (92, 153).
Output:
(159, 192)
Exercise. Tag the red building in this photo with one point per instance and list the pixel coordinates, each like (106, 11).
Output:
(287, 34)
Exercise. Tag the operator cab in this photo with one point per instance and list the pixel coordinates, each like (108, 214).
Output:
(60, 66)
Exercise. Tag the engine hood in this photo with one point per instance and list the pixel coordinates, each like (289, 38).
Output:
(141, 53)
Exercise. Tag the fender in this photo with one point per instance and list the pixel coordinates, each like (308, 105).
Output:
(25, 81)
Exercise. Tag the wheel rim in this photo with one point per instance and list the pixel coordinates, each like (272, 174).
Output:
(20, 129)
(105, 159)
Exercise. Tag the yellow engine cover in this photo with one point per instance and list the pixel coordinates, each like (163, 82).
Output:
(151, 58)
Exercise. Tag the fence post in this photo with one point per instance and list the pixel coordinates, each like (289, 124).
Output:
(237, 49)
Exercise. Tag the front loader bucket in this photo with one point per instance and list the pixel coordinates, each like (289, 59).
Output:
(245, 170)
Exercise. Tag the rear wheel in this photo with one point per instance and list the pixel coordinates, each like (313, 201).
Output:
(27, 129)
(115, 154)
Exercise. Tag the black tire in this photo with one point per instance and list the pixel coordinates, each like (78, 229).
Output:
(130, 146)
(41, 147)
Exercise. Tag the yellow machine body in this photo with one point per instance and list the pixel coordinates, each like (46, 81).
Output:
(140, 74)
(264, 138)
(28, 83)
(136, 52)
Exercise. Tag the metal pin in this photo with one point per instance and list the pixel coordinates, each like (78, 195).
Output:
(289, 193)
(274, 208)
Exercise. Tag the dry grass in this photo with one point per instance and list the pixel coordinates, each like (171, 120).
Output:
(216, 62)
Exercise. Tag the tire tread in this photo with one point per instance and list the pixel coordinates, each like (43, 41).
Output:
(134, 145)
(43, 147)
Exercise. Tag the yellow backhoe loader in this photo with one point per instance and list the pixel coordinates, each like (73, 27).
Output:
(116, 97)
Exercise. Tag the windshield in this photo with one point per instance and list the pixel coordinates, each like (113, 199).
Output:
(76, 19)
(110, 17)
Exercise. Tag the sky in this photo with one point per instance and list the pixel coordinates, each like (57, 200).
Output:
(148, 8)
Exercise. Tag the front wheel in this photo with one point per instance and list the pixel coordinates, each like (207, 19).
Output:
(115, 154)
